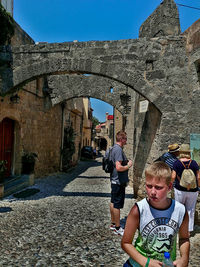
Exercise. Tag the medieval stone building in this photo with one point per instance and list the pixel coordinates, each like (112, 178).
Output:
(30, 124)
(159, 70)
(104, 133)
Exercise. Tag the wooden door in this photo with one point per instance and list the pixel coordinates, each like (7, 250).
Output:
(6, 142)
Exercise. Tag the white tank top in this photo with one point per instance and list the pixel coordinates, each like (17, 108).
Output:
(158, 230)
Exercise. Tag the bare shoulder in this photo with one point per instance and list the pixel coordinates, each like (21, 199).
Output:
(134, 212)
(132, 224)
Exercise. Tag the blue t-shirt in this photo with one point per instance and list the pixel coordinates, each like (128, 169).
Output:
(169, 159)
(117, 154)
(178, 168)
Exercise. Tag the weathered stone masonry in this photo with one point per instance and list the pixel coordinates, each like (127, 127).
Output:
(162, 69)
(168, 82)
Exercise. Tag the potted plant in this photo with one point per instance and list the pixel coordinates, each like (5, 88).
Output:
(3, 169)
(28, 162)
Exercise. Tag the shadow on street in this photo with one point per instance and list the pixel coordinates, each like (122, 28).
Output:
(55, 184)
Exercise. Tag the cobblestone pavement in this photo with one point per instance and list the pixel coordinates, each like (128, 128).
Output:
(67, 223)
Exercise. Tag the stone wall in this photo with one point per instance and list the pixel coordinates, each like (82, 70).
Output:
(192, 35)
(118, 119)
(34, 128)
(163, 21)
(20, 36)
(38, 125)
(33, 116)
(74, 118)
(87, 123)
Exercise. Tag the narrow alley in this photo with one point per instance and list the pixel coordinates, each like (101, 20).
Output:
(66, 223)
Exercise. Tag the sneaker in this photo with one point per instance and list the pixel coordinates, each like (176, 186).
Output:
(112, 227)
(120, 231)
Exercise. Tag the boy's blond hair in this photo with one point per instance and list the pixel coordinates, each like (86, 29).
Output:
(159, 170)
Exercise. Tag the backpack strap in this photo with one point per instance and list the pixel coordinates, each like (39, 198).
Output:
(186, 167)
(178, 177)
(110, 156)
(189, 164)
(110, 153)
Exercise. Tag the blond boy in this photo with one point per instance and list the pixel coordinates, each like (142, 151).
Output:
(159, 219)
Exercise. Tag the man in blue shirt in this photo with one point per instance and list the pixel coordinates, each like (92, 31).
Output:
(171, 156)
(119, 180)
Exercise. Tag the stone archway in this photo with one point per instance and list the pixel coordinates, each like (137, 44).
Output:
(145, 66)
(61, 87)
(139, 127)
(40, 60)
(157, 69)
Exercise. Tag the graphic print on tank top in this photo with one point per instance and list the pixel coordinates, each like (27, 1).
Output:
(158, 229)
(159, 234)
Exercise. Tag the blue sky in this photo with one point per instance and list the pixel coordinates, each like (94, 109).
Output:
(85, 20)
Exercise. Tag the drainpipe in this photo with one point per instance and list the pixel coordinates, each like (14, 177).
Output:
(62, 132)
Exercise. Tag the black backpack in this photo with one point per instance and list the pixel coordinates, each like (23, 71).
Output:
(107, 163)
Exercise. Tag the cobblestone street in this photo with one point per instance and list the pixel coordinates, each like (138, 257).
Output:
(67, 223)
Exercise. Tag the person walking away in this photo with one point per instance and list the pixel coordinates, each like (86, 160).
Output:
(119, 180)
(158, 219)
(171, 156)
(185, 194)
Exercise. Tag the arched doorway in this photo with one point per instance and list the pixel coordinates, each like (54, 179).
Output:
(6, 143)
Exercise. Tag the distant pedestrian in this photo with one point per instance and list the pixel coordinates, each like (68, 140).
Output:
(171, 156)
(158, 219)
(119, 180)
(183, 193)
(94, 153)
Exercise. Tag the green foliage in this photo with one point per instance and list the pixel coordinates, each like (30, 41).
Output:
(3, 167)
(95, 122)
(28, 162)
(29, 157)
(68, 148)
(111, 131)
(6, 26)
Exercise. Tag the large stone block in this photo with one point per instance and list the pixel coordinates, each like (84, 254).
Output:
(163, 21)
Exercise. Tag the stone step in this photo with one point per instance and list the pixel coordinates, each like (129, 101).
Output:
(17, 183)
(11, 180)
